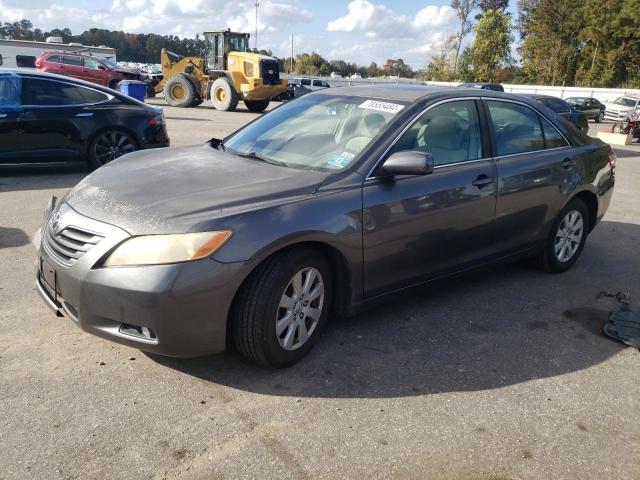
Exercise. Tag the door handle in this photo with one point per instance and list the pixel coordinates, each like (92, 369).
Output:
(482, 181)
(568, 163)
(87, 114)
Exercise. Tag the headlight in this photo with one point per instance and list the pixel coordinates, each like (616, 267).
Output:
(161, 249)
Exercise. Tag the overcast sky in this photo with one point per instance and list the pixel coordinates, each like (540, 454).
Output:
(357, 30)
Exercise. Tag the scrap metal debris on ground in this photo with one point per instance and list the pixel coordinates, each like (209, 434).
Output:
(623, 324)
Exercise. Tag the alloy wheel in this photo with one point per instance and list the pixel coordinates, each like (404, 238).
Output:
(568, 236)
(300, 308)
(111, 145)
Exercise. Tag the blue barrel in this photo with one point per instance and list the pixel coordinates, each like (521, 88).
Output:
(133, 88)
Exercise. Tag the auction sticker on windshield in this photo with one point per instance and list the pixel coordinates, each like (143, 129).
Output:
(381, 106)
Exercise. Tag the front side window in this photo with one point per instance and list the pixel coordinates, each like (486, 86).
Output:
(305, 81)
(516, 128)
(450, 132)
(39, 92)
(625, 102)
(322, 132)
(10, 85)
(110, 63)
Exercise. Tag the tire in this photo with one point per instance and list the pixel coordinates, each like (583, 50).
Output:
(179, 91)
(100, 152)
(257, 106)
(223, 96)
(259, 307)
(599, 118)
(552, 259)
(113, 84)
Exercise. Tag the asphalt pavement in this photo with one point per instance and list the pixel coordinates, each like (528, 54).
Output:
(501, 373)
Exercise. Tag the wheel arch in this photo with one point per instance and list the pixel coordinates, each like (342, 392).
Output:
(590, 199)
(342, 277)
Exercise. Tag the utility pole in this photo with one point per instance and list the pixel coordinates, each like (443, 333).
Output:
(257, 5)
(291, 64)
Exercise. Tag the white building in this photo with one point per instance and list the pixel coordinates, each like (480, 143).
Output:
(23, 53)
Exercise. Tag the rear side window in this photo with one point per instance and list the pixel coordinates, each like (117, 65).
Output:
(92, 96)
(450, 132)
(516, 128)
(41, 92)
(25, 61)
(72, 60)
(54, 59)
(552, 138)
(305, 81)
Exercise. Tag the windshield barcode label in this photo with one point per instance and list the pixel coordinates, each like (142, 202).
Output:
(381, 106)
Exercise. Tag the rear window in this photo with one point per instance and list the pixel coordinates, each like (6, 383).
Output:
(305, 81)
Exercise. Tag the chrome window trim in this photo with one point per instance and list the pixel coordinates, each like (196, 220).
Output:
(532, 151)
(411, 123)
(108, 95)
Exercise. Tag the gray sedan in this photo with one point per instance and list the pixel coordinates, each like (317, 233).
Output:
(326, 204)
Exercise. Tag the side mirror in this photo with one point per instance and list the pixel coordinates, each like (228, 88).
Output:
(408, 162)
(101, 67)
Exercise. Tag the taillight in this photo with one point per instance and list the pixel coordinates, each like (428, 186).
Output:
(157, 120)
(612, 159)
(38, 63)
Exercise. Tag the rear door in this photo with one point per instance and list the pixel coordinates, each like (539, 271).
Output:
(420, 226)
(10, 106)
(535, 163)
(72, 66)
(94, 71)
(56, 119)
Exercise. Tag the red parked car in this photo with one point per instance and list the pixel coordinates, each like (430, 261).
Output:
(85, 67)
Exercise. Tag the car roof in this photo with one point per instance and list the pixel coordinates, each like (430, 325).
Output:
(537, 96)
(76, 81)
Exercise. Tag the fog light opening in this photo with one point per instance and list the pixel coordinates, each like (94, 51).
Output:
(138, 331)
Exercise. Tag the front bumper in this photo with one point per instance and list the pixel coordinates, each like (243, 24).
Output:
(176, 310)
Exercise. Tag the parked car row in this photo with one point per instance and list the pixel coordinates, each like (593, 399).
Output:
(50, 119)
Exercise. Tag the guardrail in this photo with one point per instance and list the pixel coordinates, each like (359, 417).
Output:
(602, 94)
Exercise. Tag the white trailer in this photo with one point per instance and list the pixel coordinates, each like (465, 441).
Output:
(24, 53)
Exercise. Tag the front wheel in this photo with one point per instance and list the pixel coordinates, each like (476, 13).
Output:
(567, 238)
(256, 106)
(223, 96)
(282, 309)
(600, 118)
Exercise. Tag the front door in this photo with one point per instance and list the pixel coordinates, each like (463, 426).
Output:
(94, 71)
(9, 113)
(418, 227)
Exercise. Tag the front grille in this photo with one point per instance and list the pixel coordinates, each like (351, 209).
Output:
(269, 72)
(69, 244)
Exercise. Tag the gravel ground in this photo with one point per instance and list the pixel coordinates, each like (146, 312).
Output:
(498, 374)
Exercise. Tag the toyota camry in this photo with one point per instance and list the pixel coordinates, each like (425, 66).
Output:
(326, 204)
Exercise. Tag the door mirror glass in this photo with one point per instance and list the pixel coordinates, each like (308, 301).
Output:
(408, 162)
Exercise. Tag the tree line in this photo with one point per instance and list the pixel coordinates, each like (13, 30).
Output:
(592, 43)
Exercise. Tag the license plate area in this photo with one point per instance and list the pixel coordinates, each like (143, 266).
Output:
(49, 278)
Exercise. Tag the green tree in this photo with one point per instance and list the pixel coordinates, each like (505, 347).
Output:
(463, 10)
(491, 47)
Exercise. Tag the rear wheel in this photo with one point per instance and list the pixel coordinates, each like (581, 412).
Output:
(567, 238)
(282, 309)
(257, 106)
(223, 96)
(600, 117)
(109, 145)
(113, 84)
(179, 92)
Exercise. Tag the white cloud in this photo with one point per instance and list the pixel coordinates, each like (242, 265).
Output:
(373, 20)
(178, 17)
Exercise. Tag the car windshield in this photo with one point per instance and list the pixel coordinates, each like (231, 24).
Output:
(627, 102)
(322, 132)
(110, 63)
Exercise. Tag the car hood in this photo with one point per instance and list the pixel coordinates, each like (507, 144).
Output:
(175, 190)
(128, 72)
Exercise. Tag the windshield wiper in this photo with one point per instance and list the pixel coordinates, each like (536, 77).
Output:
(257, 156)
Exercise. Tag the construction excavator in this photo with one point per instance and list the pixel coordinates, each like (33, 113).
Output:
(226, 73)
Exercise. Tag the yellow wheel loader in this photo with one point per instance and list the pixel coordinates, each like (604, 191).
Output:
(226, 74)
